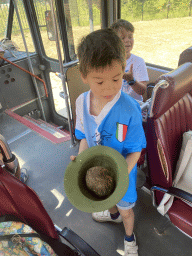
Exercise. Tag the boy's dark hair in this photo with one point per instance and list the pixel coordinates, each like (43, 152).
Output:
(99, 49)
(116, 25)
(100, 181)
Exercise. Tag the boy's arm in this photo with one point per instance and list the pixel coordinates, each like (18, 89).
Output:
(131, 160)
(139, 87)
(82, 146)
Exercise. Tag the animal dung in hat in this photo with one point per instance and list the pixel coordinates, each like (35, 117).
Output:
(75, 180)
(100, 181)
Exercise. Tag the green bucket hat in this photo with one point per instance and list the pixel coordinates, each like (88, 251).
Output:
(74, 179)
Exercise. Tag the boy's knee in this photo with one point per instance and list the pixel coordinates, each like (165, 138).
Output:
(126, 213)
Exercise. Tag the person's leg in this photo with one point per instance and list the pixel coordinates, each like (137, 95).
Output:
(128, 220)
(109, 215)
(127, 214)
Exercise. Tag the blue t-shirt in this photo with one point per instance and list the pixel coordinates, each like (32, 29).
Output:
(119, 127)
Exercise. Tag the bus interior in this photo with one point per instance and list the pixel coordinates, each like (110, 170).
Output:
(40, 81)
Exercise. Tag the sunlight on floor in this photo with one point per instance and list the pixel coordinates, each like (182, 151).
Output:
(20, 160)
(120, 252)
(59, 197)
(69, 212)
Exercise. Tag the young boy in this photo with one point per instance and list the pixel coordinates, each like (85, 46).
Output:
(100, 119)
(135, 77)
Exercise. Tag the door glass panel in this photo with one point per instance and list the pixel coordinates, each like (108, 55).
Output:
(45, 20)
(85, 17)
(81, 19)
(81, 16)
(16, 35)
(57, 87)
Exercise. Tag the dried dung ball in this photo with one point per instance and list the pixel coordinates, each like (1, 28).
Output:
(100, 181)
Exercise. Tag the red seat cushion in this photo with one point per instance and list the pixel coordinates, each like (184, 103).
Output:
(180, 215)
(19, 200)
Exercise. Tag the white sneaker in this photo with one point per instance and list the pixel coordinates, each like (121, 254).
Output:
(130, 248)
(105, 216)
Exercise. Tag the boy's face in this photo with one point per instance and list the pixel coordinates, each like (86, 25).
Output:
(105, 82)
(128, 40)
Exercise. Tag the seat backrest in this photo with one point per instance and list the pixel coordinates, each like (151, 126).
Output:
(170, 116)
(185, 56)
(75, 88)
(20, 201)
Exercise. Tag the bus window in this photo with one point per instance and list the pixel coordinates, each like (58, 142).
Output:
(44, 17)
(85, 17)
(162, 31)
(15, 35)
(57, 88)
(82, 17)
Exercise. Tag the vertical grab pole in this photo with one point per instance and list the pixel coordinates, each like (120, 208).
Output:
(65, 95)
(29, 60)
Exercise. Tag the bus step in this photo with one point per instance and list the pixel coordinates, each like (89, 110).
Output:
(47, 130)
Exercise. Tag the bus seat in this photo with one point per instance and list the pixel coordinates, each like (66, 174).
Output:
(185, 56)
(170, 115)
(18, 202)
(75, 88)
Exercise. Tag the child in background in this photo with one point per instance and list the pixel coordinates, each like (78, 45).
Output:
(101, 121)
(135, 77)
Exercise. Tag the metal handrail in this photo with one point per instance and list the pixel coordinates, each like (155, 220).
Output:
(10, 160)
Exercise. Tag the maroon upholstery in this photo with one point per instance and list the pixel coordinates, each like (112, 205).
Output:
(165, 133)
(185, 56)
(170, 117)
(142, 157)
(19, 200)
(180, 215)
(179, 84)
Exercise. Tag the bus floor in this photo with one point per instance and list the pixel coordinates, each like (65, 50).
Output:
(46, 163)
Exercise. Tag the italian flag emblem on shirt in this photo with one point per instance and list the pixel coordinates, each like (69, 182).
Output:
(121, 132)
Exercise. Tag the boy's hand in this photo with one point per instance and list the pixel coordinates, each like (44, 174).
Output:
(129, 75)
(83, 145)
(72, 158)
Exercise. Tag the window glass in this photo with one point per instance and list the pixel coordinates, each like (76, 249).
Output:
(57, 88)
(162, 29)
(46, 27)
(4, 9)
(16, 36)
(81, 16)
(81, 19)
(85, 18)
